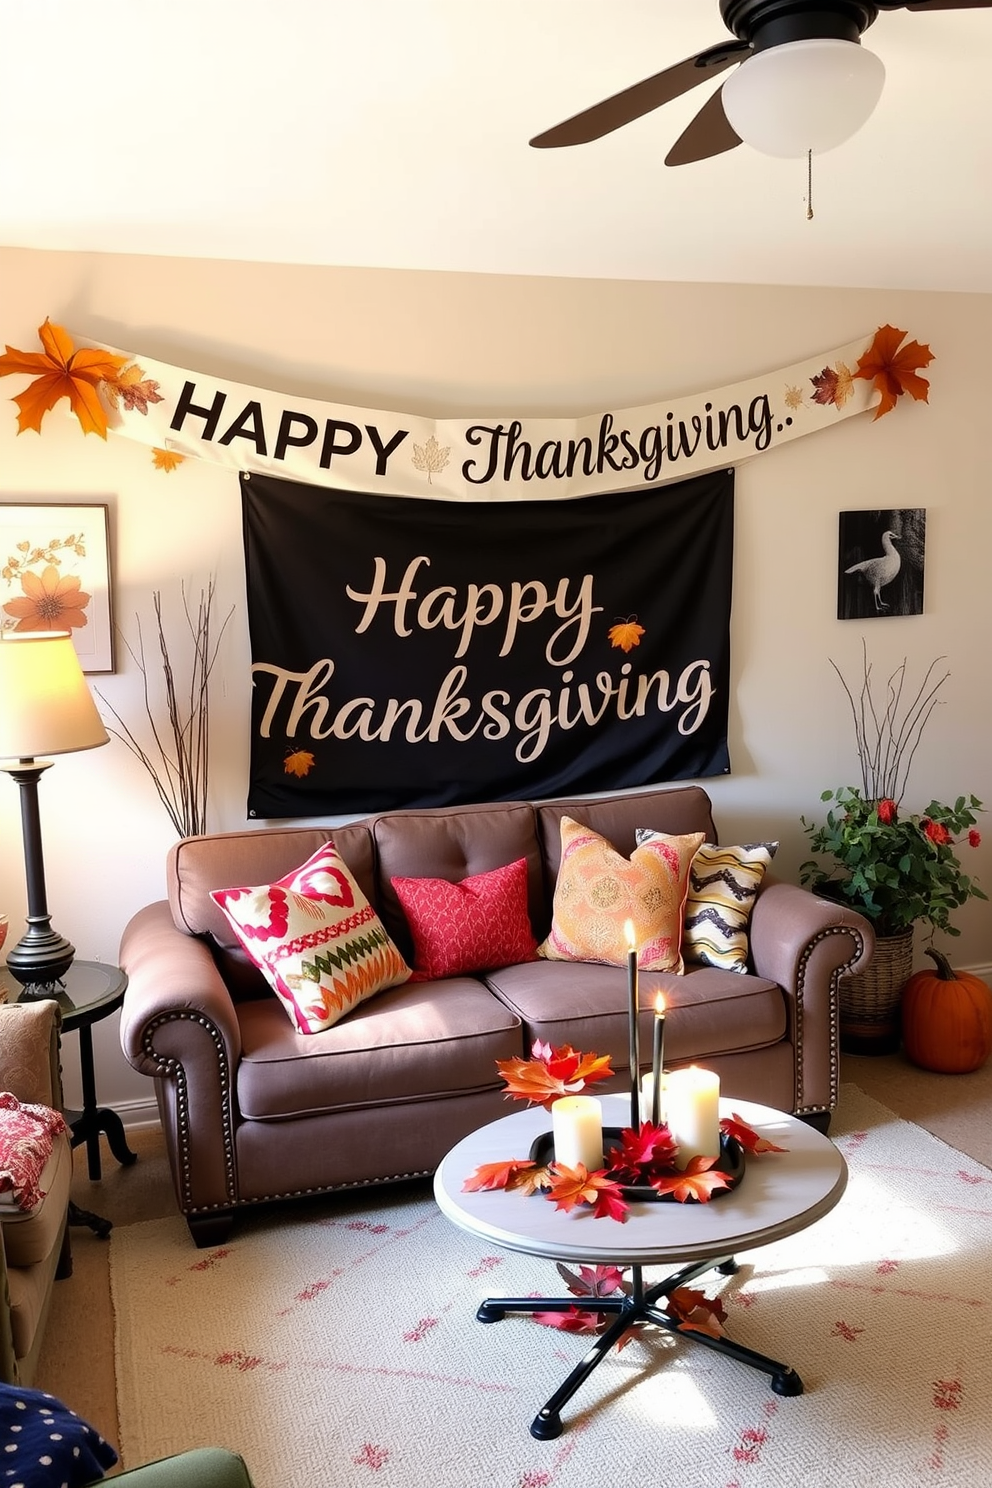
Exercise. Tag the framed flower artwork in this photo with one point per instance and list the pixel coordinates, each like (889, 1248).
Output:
(55, 575)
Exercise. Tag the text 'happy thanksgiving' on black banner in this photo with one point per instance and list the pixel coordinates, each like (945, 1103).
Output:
(428, 653)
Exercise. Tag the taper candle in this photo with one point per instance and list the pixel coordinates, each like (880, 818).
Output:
(658, 1057)
(577, 1127)
(635, 1053)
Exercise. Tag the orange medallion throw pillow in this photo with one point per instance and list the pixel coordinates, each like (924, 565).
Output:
(599, 890)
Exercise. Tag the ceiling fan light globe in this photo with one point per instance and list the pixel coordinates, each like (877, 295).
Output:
(803, 95)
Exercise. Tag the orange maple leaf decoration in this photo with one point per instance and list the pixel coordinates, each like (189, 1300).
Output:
(893, 371)
(552, 1073)
(63, 372)
(699, 1181)
(509, 1174)
(299, 763)
(572, 1186)
(695, 1312)
(735, 1126)
(626, 634)
(166, 459)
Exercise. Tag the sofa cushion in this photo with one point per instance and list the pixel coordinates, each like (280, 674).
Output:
(197, 865)
(709, 1012)
(419, 1041)
(723, 885)
(29, 1236)
(454, 843)
(316, 939)
(599, 891)
(468, 926)
(677, 810)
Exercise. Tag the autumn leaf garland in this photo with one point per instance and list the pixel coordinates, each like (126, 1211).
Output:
(61, 370)
(888, 364)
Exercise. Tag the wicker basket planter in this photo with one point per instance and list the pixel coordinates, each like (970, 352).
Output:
(869, 1000)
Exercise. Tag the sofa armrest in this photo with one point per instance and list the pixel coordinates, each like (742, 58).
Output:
(201, 1467)
(806, 944)
(178, 1024)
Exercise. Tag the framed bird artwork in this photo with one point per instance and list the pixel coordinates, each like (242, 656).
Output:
(880, 563)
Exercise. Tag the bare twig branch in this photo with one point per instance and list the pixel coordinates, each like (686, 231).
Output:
(888, 736)
(178, 757)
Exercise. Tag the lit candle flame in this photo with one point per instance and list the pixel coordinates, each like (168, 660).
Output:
(628, 931)
(659, 1004)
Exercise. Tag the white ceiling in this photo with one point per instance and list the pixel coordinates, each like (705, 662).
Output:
(393, 133)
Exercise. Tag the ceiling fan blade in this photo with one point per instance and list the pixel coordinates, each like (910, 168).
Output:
(710, 133)
(641, 98)
(941, 5)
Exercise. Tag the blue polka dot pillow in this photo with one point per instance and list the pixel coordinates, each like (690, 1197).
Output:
(43, 1444)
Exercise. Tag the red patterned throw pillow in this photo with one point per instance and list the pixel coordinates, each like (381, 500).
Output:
(475, 925)
(27, 1133)
(316, 939)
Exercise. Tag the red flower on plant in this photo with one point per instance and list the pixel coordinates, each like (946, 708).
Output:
(936, 831)
(974, 838)
(887, 811)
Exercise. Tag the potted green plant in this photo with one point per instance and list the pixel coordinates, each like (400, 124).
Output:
(896, 867)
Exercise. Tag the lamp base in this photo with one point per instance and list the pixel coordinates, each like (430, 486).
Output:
(40, 960)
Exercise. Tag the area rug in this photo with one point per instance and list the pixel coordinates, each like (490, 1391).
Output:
(337, 1345)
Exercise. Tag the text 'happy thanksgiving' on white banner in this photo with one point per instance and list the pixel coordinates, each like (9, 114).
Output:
(488, 458)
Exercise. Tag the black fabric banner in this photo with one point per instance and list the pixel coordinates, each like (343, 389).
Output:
(427, 653)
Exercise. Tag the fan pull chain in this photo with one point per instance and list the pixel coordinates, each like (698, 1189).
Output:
(809, 185)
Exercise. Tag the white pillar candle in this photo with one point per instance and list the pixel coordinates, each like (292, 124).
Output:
(577, 1127)
(647, 1098)
(692, 1101)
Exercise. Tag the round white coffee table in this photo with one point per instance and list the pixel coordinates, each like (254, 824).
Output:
(780, 1193)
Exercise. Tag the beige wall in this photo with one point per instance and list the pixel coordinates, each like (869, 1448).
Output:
(464, 344)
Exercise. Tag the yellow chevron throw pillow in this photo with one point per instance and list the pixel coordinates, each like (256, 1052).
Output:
(598, 890)
(316, 939)
(723, 885)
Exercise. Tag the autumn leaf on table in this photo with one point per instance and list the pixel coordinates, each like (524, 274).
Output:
(735, 1126)
(573, 1186)
(891, 368)
(552, 1073)
(510, 1174)
(626, 634)
(132, 388)
(699, 1181)
(652, 1146)
(696, 1312)
(60, 371)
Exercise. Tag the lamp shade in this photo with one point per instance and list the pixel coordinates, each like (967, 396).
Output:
(803, 95)
(46, 706)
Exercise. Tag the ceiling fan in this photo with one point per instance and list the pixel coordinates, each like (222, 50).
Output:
(802, 81)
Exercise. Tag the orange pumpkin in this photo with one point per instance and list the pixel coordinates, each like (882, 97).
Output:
(946, 1019)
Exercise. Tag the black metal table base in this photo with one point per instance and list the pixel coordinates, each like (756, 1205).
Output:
(640, 1306)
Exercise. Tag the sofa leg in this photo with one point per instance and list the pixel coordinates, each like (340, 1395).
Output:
(63, 1269)
(210, 1229)
(818, 1119)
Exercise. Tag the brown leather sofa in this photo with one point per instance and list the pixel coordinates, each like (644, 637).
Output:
(254, 1111)
(34, 1245)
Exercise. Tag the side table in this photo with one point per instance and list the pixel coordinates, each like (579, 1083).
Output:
(91, 992)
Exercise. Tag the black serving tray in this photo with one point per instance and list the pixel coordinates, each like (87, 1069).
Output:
(730, 1163)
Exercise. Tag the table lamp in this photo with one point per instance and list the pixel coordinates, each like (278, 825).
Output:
(45, 708)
